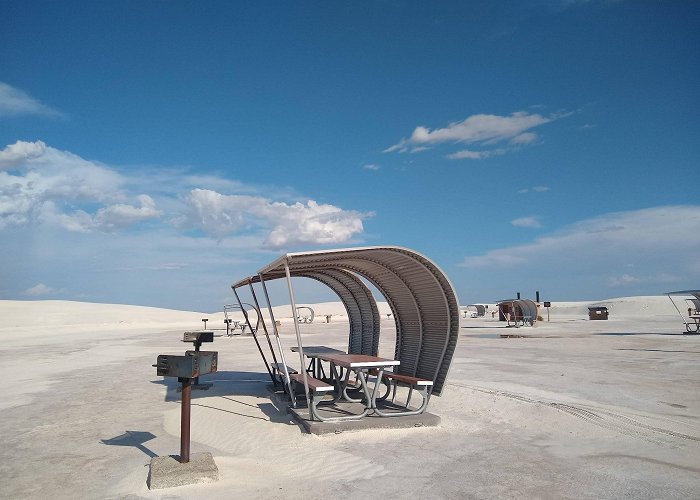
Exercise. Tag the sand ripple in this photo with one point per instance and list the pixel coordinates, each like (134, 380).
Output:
(250, 427)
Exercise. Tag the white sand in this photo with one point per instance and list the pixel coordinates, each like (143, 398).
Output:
(579, 409)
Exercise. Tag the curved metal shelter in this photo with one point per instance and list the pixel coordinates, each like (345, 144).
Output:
(478, 309)
(524, 310)
(423, 302)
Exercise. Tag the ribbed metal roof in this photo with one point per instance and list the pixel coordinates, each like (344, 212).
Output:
(527, 306)
(421, 297)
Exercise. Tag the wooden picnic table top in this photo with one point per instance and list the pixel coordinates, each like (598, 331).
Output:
(358, 360)
(315, 350)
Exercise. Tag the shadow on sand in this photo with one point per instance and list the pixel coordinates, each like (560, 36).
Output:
(132, 438)
(228, 386)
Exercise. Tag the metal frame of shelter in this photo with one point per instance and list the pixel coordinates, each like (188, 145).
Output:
(423, 302)
(692, 324)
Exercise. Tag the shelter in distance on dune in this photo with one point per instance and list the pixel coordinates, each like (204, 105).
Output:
(475, 310)
(517, 311)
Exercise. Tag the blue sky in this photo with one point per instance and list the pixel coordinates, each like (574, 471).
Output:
(154, 152)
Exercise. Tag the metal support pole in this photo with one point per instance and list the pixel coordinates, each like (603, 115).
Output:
(679, 311)
(261, 320)
(185, 420)
(279, 344)
(255, 337)
(296, 328)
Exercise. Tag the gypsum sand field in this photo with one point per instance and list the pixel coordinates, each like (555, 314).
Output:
(576, 409)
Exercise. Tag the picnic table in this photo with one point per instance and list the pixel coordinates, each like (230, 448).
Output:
(338, 382)
(694, 322)
(313, 352)
(359, 364)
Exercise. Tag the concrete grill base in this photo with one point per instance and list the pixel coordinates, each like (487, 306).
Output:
(168, 472)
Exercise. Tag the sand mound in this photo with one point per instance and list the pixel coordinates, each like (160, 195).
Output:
(627, 307)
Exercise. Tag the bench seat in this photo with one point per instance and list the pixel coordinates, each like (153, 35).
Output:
(315, 384)
(407, 379)
(279, 368)
(421, 385)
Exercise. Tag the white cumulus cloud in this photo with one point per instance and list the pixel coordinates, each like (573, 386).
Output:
(39, 183)
(312, 223)
(122, 215)
(284, 224)
(20, 152)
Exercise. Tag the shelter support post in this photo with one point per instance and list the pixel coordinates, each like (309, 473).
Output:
(298, 333)
(262, 321)
(287, 380)
(679, 311)
(255, 336)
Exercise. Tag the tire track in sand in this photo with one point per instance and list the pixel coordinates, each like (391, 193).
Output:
(607, 419)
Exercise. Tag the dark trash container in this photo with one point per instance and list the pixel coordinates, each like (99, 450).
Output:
(597, 313)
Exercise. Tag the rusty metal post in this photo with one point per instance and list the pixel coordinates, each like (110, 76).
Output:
(185, 420)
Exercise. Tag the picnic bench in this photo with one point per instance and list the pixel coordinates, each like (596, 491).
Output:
(278, 370)
(317, 389)
(359, 389)
(421, 385)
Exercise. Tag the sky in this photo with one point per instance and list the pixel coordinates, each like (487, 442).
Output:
(153, 153)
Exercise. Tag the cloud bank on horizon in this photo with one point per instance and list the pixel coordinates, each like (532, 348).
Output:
(43, 189)
(42, 185)
(656, 246)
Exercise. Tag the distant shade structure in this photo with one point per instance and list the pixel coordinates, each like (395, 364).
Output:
(689, 309)
(517, 311)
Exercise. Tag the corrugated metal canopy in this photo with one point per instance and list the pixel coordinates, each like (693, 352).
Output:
(527, 307)
(423, 301)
